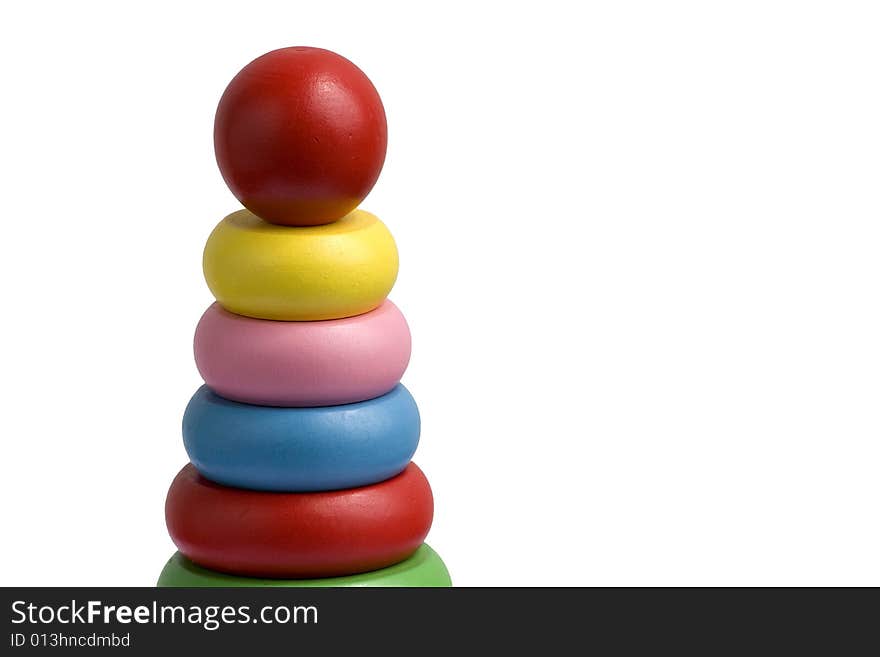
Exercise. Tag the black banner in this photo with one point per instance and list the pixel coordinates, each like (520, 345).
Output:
(396, 621)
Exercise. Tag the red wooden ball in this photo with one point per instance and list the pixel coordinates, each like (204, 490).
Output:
(298, 535)
(300, 136)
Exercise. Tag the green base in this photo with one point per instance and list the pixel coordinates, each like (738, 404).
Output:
(423, 569)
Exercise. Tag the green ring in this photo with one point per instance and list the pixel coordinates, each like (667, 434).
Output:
(424, 568)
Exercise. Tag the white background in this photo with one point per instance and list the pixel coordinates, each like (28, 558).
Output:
(639, 257)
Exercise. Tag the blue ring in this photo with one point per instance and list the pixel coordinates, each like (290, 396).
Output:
(300, 449)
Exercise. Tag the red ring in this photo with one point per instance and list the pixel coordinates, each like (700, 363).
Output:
(298, 535)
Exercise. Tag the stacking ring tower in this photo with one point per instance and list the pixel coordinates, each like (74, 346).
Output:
(301, 438)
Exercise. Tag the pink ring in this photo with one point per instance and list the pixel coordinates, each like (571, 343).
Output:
(322, 363)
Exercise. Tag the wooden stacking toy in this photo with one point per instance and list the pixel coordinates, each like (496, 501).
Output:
(301, 438)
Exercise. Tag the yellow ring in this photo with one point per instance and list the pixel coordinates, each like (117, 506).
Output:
(267, 271)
